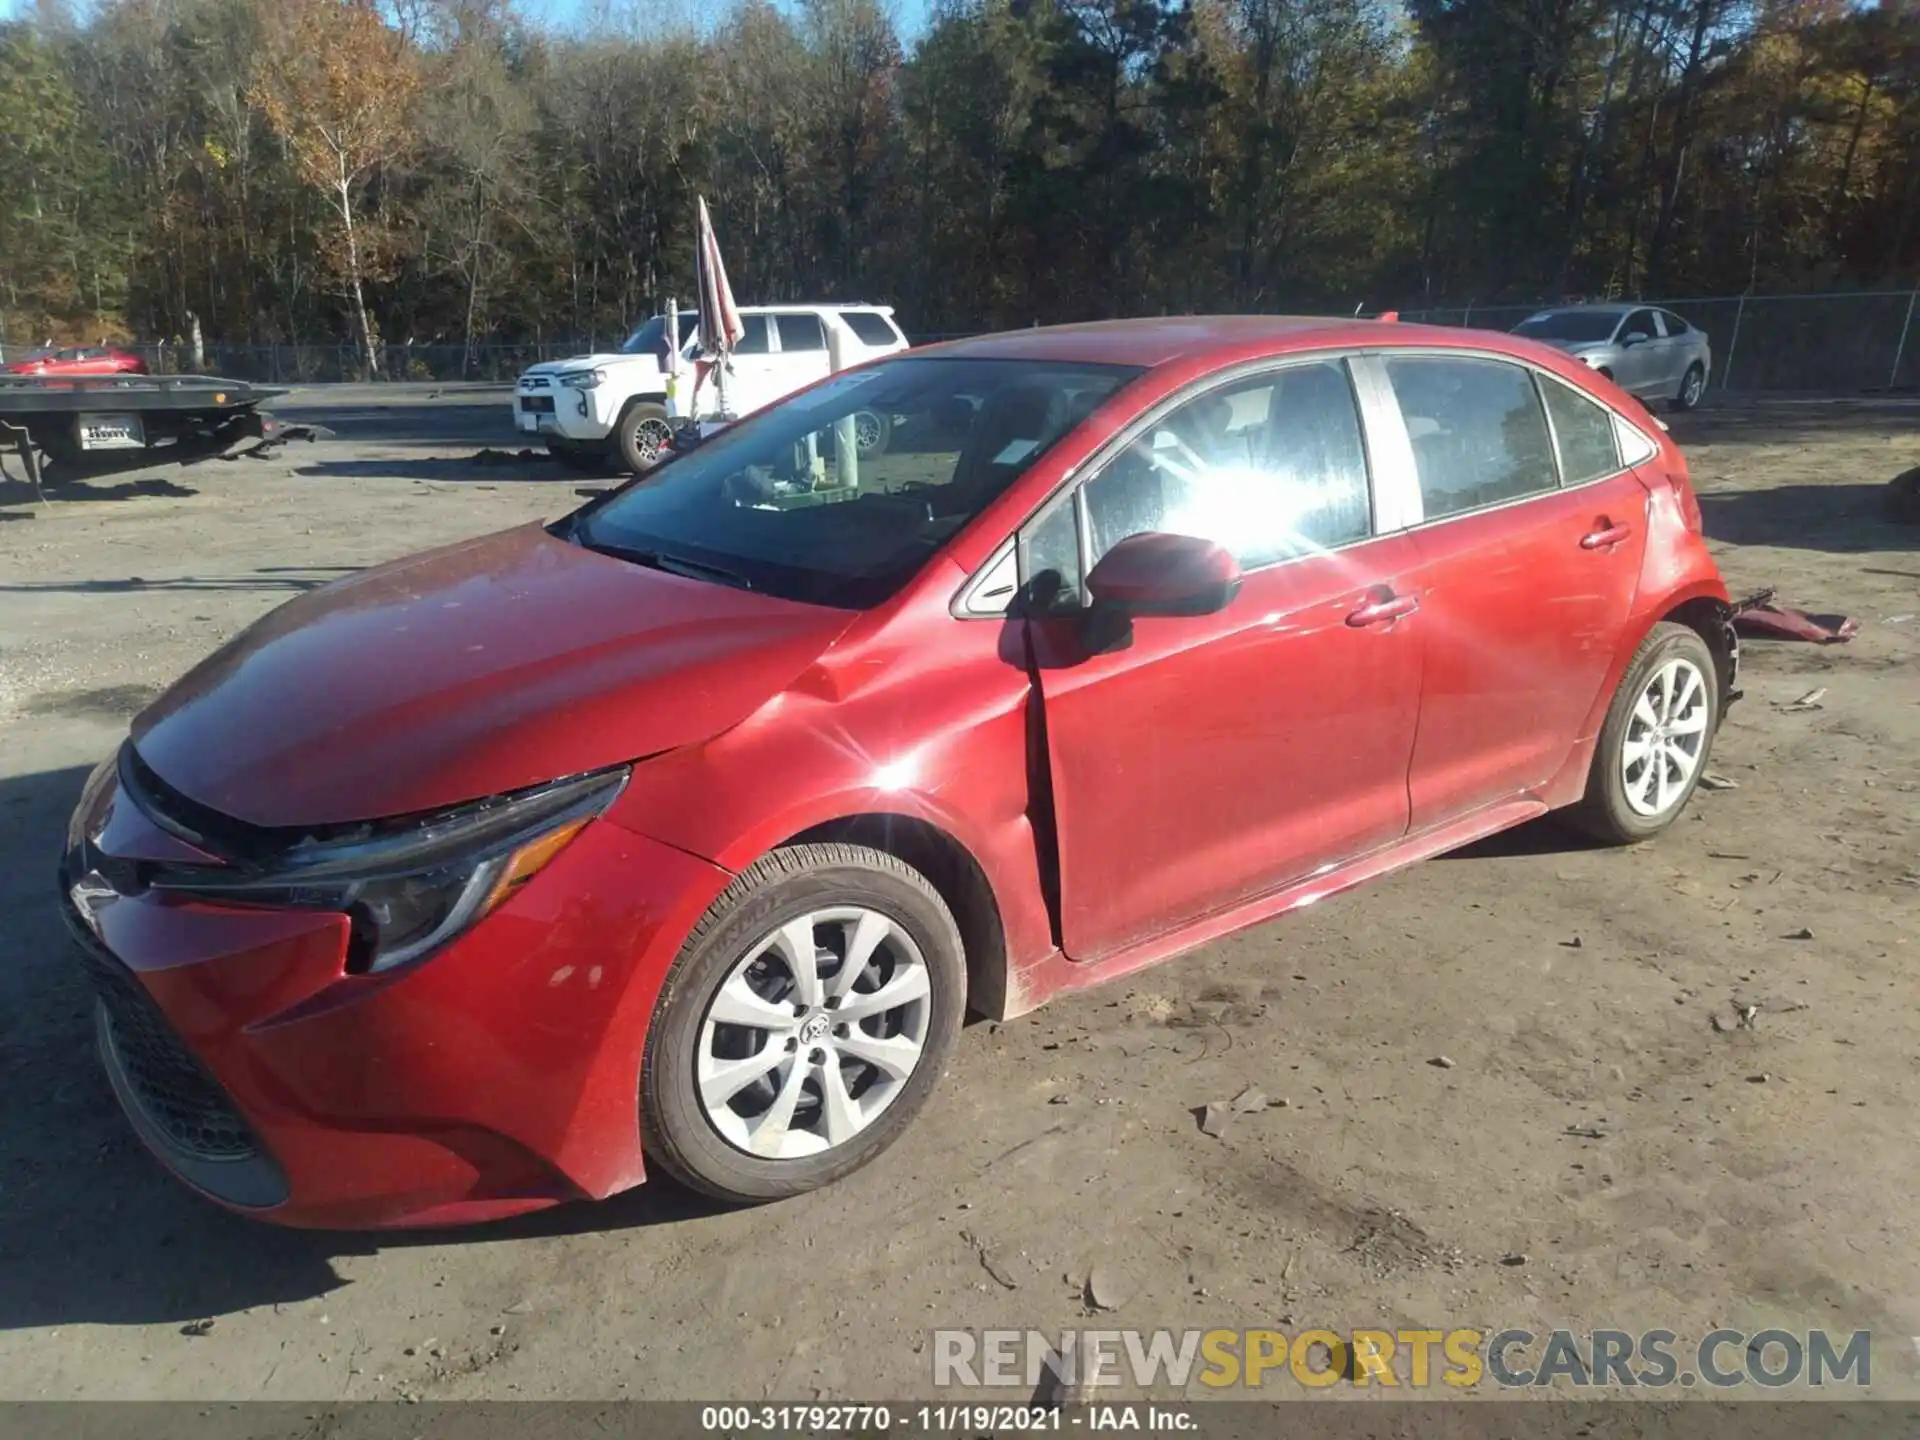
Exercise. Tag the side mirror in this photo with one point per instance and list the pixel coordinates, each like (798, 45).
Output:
(1634, 337)
(1158, 574)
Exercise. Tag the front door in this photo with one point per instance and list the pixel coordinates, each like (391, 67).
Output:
(1529, 582)
(1203, 760)
(753, 375)
(1640, 365)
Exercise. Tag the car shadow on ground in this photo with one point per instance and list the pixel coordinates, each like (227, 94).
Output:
(57, 492)
(1775, 420)
(293, 579)
(1836, 519)
(91, 1229)
(401, 422)
(485, 467)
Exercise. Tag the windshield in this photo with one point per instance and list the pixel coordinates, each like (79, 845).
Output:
(651, 337)
(1577, 325)
(839, 495)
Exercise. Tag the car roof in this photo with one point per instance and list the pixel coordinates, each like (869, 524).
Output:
(1162, 339)
(1605, 307)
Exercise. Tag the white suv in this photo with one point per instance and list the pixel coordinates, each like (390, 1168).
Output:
(595, 410)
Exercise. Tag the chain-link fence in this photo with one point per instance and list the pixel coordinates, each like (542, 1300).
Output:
(1834, 343)
(1838, 343)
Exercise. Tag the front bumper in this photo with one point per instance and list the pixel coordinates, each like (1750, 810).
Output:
(497, 1076)
(543, 406)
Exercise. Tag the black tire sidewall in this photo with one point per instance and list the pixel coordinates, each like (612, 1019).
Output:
(627, 434)
(788, 883)
(1606, 802)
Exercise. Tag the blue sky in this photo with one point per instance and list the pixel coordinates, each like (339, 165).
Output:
(910, 15)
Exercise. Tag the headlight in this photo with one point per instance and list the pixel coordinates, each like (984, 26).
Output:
(410, 887)
(583, 379)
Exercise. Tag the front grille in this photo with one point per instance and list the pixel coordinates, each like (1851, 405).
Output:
(534, 382)
(539, 404)
(177, 1095)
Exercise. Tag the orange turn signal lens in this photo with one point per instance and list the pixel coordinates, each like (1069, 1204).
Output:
(529, 860)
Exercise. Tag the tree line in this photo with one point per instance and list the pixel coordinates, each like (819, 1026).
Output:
(448, 171)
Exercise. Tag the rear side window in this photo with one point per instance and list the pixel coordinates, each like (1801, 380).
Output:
(1583, 432)
(870, 327)
(1479, 435)
(802, 332)
(754, 341)
(1675, 325)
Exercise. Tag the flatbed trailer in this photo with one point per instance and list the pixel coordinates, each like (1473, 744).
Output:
(95, 424)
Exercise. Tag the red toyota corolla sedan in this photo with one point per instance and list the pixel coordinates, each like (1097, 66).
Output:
(682, 832)
(87, 360)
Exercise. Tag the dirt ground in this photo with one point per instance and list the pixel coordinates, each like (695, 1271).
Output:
(1597, 1153)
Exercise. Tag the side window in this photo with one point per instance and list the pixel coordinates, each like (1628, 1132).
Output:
(870, 327)
(1270, 467)
(755, 341)
(802, 332)
(689, 326)
(1583, 432)
(1479, 435)
(1640, 323)
(1675, 325)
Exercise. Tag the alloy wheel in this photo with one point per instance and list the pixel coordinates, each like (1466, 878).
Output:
(650, 437)
(1666, 737)
(866, 432)
(1691, 390)
(814, 1033)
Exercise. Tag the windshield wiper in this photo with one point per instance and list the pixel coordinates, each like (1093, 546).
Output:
(672, 564)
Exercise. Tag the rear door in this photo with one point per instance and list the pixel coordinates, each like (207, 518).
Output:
(803, 355)
(1531, 533)
(1200, 761)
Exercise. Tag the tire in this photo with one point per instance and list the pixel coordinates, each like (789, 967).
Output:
(642, 435)
(1692, 386)
(873, 432)
(735, 957)
(575, 456)
(1623, 804)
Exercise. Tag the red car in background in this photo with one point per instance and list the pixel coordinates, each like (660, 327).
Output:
(85, 360)
(683, 831)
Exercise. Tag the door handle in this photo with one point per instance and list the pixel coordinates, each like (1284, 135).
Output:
(1381, 609)
(1606, 535)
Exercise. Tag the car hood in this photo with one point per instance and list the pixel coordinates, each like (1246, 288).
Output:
(611, 361)
(486, 666)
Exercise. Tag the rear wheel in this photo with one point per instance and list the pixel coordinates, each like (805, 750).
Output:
(1655, 742)
(1692, 387)
(643, 435)
(804, 1025)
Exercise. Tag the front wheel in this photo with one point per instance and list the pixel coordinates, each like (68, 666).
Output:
(804, 1025)
(872, 432)
(1655, 742)
(643, 435)
(1692, 387)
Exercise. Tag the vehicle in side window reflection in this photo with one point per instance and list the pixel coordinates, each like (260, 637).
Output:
(678, 836)
(1650, 353)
